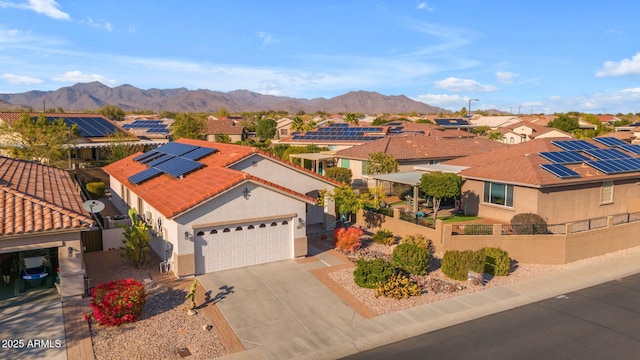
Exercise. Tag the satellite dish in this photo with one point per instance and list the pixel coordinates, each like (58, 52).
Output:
(93, 206)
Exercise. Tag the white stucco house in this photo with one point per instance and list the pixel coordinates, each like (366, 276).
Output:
(216, 206)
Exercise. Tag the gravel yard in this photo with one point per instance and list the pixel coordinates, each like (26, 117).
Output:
(162, 329)
(520, 272)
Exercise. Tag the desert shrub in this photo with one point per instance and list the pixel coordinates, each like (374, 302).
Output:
(384, 236)
(400, 190)
(369, 273)
(339, 173)
(478, 229)
(411, 258)
(496, 261)
(528, 223)
(348, 239)
(117, 302)
(457, 264)
(398, 286)
(96, 189)
(420, 240)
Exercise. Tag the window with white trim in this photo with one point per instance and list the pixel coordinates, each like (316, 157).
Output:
(345, 163)
(498, 194)
(606, 192)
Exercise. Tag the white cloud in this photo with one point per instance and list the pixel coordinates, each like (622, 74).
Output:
(132, 29)
(14, 79)
(463, 85)
(267, 39)
(48, 8)
(622, 68)
(100, 24)
(79, 77)
(425, 6)
(506, 77)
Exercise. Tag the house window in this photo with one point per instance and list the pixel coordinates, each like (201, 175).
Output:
(239, 228)
(511, 140)
(226, 230)
(140, 207)
(250, 227)
(284, 132)
(345, 163)
(499, 194)
(606, 193)
(364, 168)
(333, 147)
(121, 191)
(274, 224)
(128, 197)
(214, 231)
(263, 225)
(200, 233)
(285, 222)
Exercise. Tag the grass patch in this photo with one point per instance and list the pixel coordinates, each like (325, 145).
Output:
(458, 218)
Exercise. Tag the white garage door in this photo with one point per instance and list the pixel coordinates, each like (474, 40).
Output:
(233, 246)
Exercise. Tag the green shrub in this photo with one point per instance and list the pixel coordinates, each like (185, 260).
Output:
(478, 229)
(496, 262)
(411, 258)
(528, 223)
(457, 264)
(369, 273)
(399, 286)
(384, 236)
(96, 189)
(339, 173)
(420, 240)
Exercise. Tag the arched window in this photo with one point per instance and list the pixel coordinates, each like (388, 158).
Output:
(200, 233)
(239, 228)
(285, 222)
(226, 230)
(274, 224)
(263, 225)
(214, 231)
(250, 227)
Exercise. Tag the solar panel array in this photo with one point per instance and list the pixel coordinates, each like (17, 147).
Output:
(342, 132)
(614, 159)
(451, 122)
(150, 126)
(174, 159)
(88, 126)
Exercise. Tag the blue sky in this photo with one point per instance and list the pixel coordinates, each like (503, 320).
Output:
(527, 56)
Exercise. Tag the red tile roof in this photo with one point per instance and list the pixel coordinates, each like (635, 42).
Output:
(520, 164)
(36, 198)
(421, 147)
(225, 127)
(172, 196)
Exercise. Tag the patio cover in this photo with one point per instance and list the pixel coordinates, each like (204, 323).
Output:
(314, 158)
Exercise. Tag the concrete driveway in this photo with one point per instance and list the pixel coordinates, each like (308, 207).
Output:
(34, 324)
(268, 305)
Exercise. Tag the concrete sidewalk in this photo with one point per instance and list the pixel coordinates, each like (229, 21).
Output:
(362, 334)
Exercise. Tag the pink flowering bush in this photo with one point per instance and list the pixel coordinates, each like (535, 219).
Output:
(117, 302)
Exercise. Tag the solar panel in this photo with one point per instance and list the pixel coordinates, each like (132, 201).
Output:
(560, 171)
(144, 175)
(607, 154)
(152, 157)
(177, 149)
(159, 160)
(634, 148)
(564, 157)
(574, 145)
(199, 153)
(610, 141)
(178, 166)
(144, 156)
(617, 166)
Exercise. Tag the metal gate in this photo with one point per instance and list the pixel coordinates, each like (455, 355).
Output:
(92, 240)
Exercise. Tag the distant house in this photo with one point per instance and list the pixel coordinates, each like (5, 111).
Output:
(526, 131)
(216, 206)
(410, 151)
(227, 127)
(521, 179)
(494, 122)
(283, 127)
(41, 222)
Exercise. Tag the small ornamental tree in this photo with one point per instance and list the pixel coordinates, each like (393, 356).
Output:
(440, 185)
(381, 163)
(118, 302)
(348, 239)
(343, 175)
(136, 239)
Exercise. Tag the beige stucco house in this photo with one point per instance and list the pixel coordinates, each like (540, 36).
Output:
(216, 206)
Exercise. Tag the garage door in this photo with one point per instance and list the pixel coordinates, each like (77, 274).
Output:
(237, 245)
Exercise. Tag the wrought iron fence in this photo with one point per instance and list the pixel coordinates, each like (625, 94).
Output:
(534, 229)
(590, 224)
(472, 229)
(419, 219)
(626, 218)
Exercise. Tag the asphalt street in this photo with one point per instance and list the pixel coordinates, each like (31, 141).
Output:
(601, 322)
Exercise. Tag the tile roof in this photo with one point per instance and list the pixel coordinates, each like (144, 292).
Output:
(36, 198)
(222, 126)
(421, 147)
(520, 164)
(172, 196)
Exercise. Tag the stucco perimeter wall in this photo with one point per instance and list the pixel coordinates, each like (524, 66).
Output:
(588, 244)
(399, 228)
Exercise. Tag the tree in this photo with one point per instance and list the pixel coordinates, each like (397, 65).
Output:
(223, 138)
(348, 202)
(136, 239)
(266, 128)
(112, 112)
(564, 122)
(38, 138)
(495, 135)
(351, 118)
(121, 147)
(222, 112)
(188, 126)
(341, 174)
(297, 124)
(381, 163)
(440, 185)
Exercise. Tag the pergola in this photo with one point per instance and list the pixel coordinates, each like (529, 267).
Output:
(318, 160)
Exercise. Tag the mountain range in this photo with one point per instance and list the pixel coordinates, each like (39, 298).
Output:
(94, 95)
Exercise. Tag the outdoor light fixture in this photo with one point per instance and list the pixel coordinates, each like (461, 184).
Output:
(246, 193)
(71, 251)
(186, 235)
